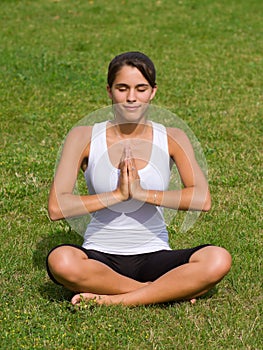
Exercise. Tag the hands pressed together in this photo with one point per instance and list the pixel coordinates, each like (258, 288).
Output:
(129, 180)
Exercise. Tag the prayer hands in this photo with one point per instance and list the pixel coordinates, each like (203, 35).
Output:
(129, 180)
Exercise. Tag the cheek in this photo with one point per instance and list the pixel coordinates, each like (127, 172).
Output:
(117, 96)
(146, 96)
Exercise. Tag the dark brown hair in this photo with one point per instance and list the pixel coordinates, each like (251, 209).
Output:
(133, 59)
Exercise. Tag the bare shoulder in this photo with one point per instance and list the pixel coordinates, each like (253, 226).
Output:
(80, 133)
(178, 136)
(79, 136)
(77, 141)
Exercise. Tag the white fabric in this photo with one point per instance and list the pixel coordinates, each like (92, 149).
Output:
(130, 227)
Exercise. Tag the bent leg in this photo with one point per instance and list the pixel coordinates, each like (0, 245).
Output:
(72, 268)
(206, 268)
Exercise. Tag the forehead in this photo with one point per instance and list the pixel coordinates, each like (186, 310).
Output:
(130, 75)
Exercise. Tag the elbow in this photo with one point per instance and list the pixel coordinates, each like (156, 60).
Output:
(54, 209)
(54, 212)
(53, 215)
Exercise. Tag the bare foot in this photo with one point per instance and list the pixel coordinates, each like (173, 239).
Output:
(104, 299)
(99, 299)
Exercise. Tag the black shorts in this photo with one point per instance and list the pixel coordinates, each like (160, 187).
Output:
(141, 267)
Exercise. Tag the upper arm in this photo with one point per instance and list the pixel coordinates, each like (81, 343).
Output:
(75, 149)
(181, 151)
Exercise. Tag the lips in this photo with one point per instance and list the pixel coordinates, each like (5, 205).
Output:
(131, 108)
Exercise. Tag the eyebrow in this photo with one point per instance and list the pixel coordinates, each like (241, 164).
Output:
(126, 85)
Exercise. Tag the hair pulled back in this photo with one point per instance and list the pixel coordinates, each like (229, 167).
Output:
(134, 59)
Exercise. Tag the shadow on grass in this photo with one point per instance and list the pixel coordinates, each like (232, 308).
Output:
(44, 246)
(55, 293)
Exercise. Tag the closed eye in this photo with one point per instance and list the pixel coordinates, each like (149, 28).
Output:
(142, 89)
(139, 87)
(121, 87)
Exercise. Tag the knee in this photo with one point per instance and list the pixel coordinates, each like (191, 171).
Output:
(62, 266)
(219, 263)
(58, 262)
(215, 263)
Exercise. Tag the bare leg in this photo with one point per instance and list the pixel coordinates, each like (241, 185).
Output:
(206, 267)
(71, 267)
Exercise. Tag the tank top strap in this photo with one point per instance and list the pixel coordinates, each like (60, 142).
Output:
(98, 143)
(160, 136)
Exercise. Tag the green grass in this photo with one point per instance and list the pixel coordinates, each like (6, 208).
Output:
(53, 59)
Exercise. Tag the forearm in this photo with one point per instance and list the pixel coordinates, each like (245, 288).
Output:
(64, 204)
(69, 205)
(190, 198)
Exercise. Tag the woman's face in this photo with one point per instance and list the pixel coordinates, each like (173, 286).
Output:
(131, 91)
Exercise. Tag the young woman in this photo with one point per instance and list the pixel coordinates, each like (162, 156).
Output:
(126, 258)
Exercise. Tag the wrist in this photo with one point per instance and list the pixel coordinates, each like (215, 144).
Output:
(155, 197)
(141, 195)
(118, 196)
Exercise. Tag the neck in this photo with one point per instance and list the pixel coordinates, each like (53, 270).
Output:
(125, 130)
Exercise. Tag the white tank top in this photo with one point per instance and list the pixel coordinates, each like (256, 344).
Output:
(130, 227)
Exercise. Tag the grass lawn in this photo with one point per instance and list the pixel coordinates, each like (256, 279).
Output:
(53, 63)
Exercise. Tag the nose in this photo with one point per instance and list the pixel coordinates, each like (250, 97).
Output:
(131, 97)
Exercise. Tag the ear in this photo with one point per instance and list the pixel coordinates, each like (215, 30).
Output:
(154, 90)
(109, 92)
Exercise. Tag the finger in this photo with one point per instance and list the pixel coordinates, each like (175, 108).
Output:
(133, 165)
(123, 156)
(122, 160)
(127, 152)
(124, 169)
(133, 173)
(130, 153)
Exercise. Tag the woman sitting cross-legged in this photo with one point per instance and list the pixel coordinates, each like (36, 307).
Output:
(125, 257)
